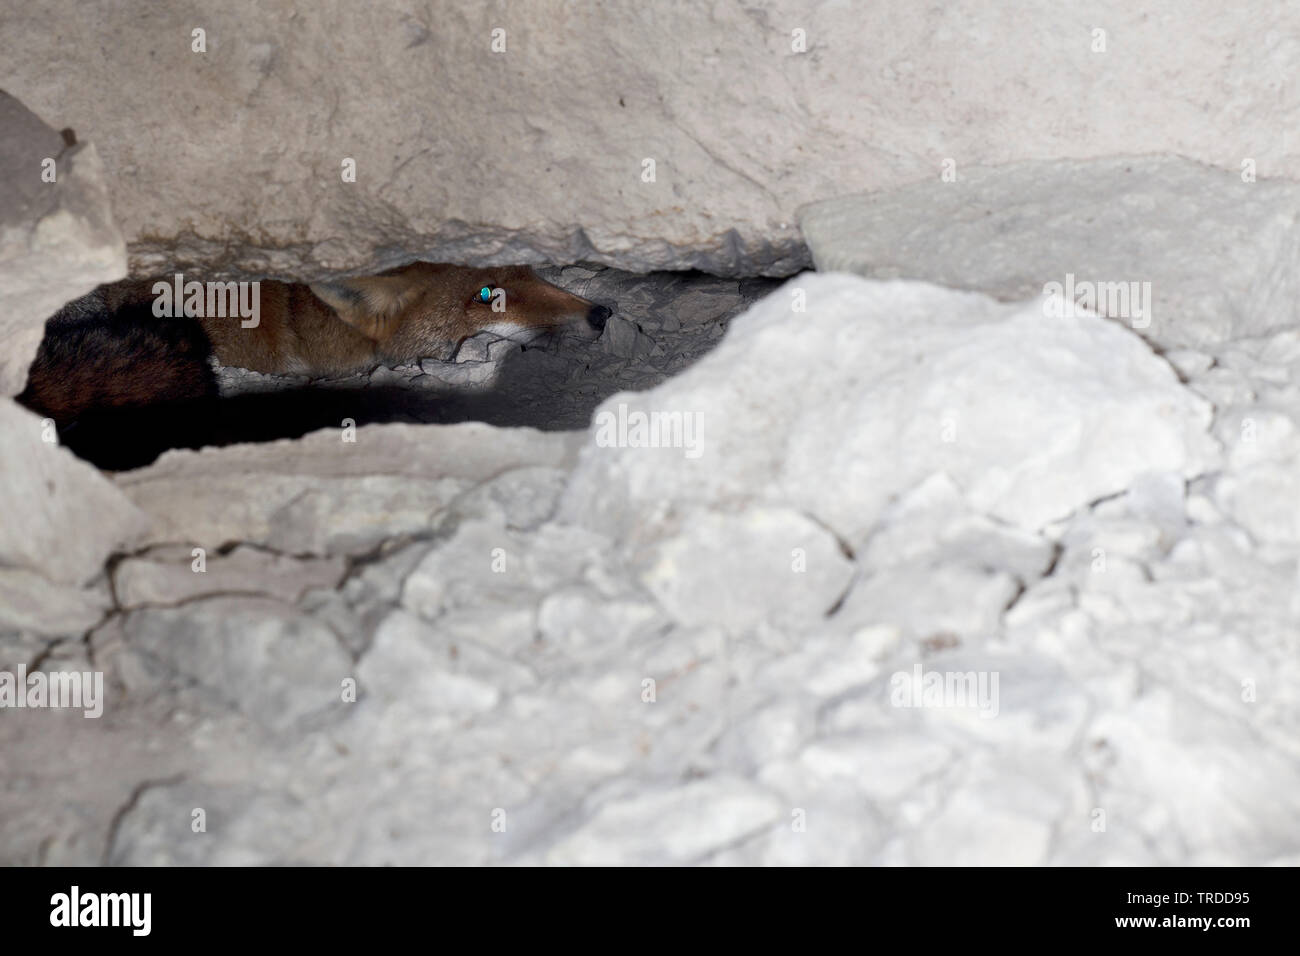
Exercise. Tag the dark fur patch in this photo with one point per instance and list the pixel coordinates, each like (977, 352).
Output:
(122, 386)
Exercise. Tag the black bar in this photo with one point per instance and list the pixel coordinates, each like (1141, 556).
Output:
(639, 907)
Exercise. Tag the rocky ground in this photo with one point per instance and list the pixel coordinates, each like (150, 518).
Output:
(892, 573)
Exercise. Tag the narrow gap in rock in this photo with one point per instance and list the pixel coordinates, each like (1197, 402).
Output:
(662, 323)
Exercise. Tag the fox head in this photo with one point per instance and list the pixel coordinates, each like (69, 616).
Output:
(408, 310)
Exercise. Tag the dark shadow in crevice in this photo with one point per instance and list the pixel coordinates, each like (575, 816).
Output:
(534, 387)
(123, 439)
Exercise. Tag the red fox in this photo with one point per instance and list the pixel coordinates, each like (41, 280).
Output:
(114, 368)
(116, 347)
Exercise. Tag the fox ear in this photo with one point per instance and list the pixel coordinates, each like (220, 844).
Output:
(370, 304)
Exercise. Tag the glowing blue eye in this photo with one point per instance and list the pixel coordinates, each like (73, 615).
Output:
(485, 294)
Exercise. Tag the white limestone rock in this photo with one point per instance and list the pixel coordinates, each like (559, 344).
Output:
(671, 827)
(1010, 231)
(171, 576)
(256, 656)
(413, 667)
(464, 152)
(62, 518)
(324, 495)
(57, 239)
(738, 570)
(31, 602)
(875, 388)
(1259, 486)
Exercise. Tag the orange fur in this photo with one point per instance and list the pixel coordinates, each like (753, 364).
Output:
(110, 350)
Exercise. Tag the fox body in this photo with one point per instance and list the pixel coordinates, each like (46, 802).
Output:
(112, 349)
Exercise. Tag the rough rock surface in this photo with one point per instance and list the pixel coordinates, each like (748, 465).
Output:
(905, 575)
(62, 517)
(57, 238)
(1009, 231)
(573, 655)
(1032, 416)
(537, 152)
(325, 494)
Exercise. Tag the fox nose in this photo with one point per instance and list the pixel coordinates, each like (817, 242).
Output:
(597, 316)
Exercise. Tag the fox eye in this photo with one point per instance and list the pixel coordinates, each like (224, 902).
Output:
(485, 294)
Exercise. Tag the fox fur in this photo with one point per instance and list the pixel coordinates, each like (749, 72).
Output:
(123, 384)
(109, 350)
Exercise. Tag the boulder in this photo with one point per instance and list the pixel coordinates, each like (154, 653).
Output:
(523, 132)
(62, 518)
(1110, 233)
(835, 395)
(57, 236)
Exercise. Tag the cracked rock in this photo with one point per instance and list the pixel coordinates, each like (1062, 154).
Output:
(990, 394)
(1009, 230)
(57, 239)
